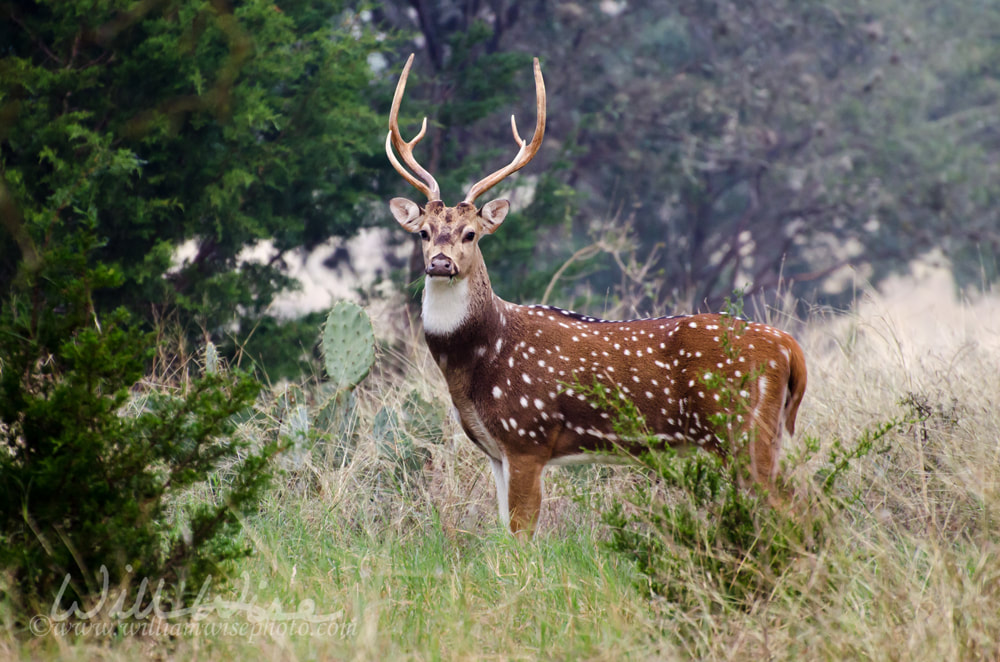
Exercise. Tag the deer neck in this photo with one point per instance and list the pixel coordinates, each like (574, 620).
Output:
(450, 305)
(462, 318)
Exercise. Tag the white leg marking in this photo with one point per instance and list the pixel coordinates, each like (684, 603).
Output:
(779, 433)
(754, 422)
(501, 476)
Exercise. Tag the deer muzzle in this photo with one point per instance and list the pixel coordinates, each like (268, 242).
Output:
(441, 265)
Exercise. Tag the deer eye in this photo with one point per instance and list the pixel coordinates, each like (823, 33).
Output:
(470, 235)
(424, 235)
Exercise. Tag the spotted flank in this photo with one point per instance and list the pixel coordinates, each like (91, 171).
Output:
(670, 367)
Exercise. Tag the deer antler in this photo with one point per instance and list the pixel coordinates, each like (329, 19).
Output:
(426, 183)
(527, 151)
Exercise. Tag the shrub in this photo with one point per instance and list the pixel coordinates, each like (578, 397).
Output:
(695, 526)
(90, 482)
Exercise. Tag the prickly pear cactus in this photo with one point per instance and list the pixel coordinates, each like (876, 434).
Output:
(294, 427)
(423, 420)
(395, 445)
(333, 407)
(348, 345)
(335, 420)
(211, 358)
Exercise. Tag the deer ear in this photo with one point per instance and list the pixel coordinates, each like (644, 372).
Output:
(406, 212)
(493, 214)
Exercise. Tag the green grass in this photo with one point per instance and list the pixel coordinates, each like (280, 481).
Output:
(439, 596)
(908, 570)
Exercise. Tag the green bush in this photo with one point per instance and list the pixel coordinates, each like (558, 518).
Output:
(696, 513)
(96, 474)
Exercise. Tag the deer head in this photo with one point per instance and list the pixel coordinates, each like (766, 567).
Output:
(450, 235)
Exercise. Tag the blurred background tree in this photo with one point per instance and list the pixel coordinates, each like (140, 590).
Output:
(692, 147)
(767, 143)
(240, 123)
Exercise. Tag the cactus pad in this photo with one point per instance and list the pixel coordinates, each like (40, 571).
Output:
(348, 345)
(211, 359)
(396, 445)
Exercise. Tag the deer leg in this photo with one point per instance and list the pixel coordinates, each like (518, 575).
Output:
(763, 426)
(501, 476)
(764, 461)
(525, 494)
(765, 453)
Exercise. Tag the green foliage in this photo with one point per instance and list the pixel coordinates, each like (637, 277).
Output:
(839, 458)
(317, 428)
(170, 122)
(694, 523)
(334, 421)
(395, 445)
(279, 348)
(397, 430)
(520, 262)
(736, 539)
(95, 474)
(294, 428)
(322, 417)
(348, 345)
(772, 139)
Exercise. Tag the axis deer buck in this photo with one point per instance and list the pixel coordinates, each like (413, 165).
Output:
(510, 368)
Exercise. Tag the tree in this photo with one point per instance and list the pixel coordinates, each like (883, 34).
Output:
(228, 125)
(96, 474)
(757, 141)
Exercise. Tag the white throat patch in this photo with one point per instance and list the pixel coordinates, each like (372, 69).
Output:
(446, 305)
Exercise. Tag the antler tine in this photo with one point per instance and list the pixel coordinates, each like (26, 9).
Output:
(423, 181)
(527, 151)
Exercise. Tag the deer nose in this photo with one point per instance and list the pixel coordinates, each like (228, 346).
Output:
(441, 265)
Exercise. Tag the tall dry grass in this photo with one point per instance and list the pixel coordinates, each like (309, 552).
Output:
(420, 568)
